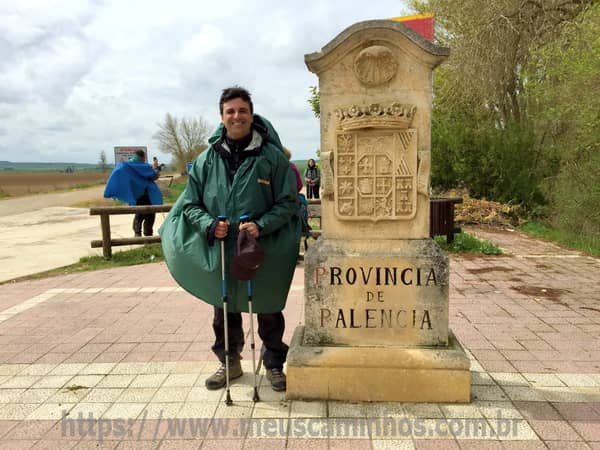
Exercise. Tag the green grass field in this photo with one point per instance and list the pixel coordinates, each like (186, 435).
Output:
(572, 240)
(9, 166)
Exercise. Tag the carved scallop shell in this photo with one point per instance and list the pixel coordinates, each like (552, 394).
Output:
(375, 65)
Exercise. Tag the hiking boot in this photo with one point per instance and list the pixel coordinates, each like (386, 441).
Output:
(137, 234)
(217, 380)
(277, 379)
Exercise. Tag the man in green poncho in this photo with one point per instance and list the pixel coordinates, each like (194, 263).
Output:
(243, 172)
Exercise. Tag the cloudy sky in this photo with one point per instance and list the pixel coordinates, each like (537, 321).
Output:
(81, 76)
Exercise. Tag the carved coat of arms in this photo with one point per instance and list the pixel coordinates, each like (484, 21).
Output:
(375, 164)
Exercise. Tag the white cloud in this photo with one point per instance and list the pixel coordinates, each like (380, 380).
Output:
(17, 31)
(81, 76)
(208, 42)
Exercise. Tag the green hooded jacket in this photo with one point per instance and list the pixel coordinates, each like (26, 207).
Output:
(264, 187)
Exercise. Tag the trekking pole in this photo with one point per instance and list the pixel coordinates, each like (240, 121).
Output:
(255, 398)
(228, 401)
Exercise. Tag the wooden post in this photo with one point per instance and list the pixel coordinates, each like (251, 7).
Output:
(105, 225)
(107, 243)
(450, 235)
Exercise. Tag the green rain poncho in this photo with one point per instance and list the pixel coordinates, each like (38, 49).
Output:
(264, 188)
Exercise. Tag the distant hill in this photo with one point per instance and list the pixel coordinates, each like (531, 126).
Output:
(8, 166)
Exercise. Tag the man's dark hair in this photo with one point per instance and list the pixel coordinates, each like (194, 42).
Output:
(141, 153)
(234, 92)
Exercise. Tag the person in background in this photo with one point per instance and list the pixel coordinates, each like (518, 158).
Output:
(145, 222)
(132, 182)
(155, 165)
(302, 202)
(313, 179)
(288, 155)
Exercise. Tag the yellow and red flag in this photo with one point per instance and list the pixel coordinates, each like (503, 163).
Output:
(421, 23)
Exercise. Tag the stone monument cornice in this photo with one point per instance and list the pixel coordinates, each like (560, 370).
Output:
(428, 52)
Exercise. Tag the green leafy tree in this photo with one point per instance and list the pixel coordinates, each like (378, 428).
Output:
(491, 46)
(486, 131)
(314, 101)
(563, 78)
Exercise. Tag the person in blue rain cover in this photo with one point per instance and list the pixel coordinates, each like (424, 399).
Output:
(132, 182)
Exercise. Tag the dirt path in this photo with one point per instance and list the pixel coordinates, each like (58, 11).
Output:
(42, 232)
(36, 202)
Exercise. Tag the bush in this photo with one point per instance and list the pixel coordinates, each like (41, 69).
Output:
(576, 193)
(467, 243)
(499, 164)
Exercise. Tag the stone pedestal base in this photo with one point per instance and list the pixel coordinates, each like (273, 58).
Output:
(429, 374)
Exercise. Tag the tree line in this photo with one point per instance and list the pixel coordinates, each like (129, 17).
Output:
(516, 106)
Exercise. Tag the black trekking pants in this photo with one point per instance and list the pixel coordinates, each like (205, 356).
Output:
(312, 191)
(144, 220)
(270, 329)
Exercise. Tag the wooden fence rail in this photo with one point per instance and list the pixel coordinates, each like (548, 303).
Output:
(441, 211)
(106, 211)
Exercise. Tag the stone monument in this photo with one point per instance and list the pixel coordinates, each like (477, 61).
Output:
(376, 286)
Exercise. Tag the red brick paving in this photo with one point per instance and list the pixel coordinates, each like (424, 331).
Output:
(537, 311)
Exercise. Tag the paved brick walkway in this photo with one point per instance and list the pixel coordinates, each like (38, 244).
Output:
(126, 351)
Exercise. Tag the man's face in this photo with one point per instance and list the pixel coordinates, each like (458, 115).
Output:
(237, 118)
